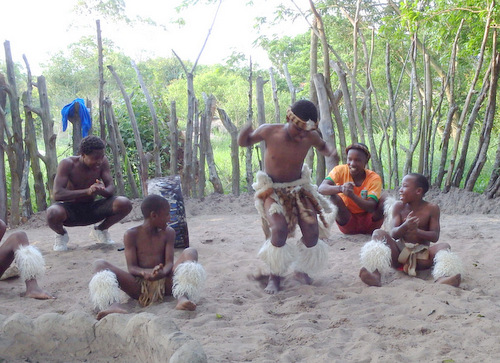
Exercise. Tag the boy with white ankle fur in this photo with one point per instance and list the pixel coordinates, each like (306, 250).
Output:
(28, 260)
(415, 225)
(152, 273)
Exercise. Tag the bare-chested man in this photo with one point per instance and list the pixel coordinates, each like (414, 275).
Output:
(415, 225)
(285, 195)
(152, 273)
(83, 190)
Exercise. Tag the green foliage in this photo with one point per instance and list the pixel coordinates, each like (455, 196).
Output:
(74, 73)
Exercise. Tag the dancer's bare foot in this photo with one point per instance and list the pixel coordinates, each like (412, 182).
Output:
(35, 292)
(183, 303)
(273, 285)
(115, 308)
(450, 280)
(39, 295)
(370, 278)
(303, 278)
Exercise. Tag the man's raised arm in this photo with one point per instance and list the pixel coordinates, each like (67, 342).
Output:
(248, 136)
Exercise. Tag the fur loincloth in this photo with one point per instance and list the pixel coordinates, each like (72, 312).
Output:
(291, 200)
(151, 291)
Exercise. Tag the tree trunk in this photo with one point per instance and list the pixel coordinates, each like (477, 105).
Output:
(325, 124)
(202, 129)
(197, 173)
(313, 69)
(319, 30)
(154, 120)
(187, 172)
(354, 74)
(450, 78)
(16, 158)
(291, 87)
(347, 101)
(134, 190)
(414, 89)
(102, 121)
(113, 144)
(174, 139)
(366, 110)
(143, 166)
(235, 160)
(467, 102)
(261, 114)
(337, 96)
(77, 128)
(488, 122)
(210, 106)
(49, 137)
(3, 125)
(248, 153)
(31, 144)
(425, 144)
(459, 170)
(274, 87)
(394, 176)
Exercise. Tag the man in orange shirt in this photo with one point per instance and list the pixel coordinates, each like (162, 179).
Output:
(357, 192)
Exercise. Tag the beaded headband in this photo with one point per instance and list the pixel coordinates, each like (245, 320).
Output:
(308, 125)
(361, 147)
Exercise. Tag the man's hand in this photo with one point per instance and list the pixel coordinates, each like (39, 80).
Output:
(96, 188)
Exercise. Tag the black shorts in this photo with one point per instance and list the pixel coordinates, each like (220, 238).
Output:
(83, 214)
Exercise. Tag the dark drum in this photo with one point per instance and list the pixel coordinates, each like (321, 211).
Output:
(170, 188)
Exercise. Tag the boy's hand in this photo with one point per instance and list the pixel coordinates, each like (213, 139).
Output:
(154, 275)
(348, 189)
(411, 226)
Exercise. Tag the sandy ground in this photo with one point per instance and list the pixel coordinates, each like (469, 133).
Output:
(336, 319)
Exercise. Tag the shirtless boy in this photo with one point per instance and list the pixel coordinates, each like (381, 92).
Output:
(152, 273)
(415, 225)
(285, 195)
(28, 260)
(357, 193)
(83, 190)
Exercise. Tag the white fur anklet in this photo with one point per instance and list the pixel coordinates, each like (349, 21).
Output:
(311, 260)
(189, 279)
(279, 259)
(104, 290)
(30, 262)
(376, 255)
(447, 264)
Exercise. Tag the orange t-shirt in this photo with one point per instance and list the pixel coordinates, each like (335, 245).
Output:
(372, 184)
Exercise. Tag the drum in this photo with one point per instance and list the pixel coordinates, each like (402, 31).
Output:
(170, 188)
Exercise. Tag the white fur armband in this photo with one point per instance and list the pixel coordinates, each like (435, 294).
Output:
(376, 255)
(30, 262)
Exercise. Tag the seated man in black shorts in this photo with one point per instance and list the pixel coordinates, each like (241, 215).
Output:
(83, 190)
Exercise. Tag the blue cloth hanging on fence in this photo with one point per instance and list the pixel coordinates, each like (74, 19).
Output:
(85, 117)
